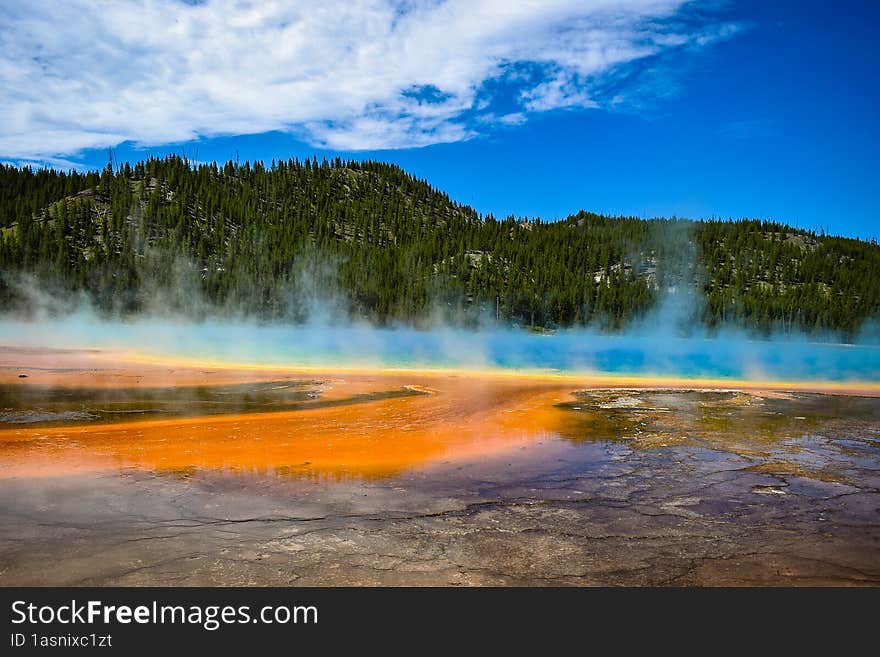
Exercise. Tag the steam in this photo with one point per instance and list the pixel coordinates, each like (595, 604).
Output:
(359, 345)
(315, 326)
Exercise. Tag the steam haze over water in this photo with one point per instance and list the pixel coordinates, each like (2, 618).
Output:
(733, 356)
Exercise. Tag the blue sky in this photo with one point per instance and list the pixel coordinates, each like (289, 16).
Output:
(645, 107)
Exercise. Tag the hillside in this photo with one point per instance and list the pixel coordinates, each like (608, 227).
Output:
(367, 240)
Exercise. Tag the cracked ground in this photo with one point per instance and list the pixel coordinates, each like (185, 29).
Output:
(632, 488)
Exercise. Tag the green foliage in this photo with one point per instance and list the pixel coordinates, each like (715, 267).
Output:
(766, 274)
(268, 241)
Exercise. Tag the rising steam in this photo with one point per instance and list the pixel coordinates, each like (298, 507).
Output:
(317, 330)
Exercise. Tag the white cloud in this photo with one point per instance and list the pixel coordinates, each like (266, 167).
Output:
(557, 92)
(364, 74)
(513, 118)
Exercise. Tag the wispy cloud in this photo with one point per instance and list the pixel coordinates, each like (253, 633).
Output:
(363, 74)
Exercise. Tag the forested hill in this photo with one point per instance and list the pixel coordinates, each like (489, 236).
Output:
(367, 240)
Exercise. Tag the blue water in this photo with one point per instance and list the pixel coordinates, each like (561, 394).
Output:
(733, 356)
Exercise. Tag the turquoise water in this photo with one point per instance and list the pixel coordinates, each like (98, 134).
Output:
(732, 356)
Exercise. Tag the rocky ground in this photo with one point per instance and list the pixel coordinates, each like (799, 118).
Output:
(637, 488)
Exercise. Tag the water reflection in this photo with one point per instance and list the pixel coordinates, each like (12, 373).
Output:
(814, 435)
(378, 425)
(47, 405)
(363, 427)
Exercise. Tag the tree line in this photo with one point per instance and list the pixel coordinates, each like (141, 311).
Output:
(367, 240)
